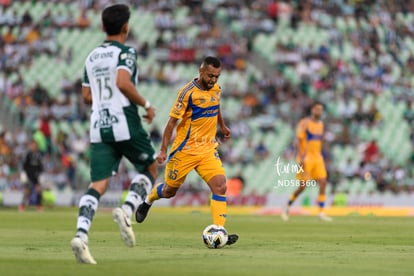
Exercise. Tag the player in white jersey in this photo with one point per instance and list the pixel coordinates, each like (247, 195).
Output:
(116, 130)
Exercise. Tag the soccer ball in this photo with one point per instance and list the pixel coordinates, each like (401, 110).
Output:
(215, 236)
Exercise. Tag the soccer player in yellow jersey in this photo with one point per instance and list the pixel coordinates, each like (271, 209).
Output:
(309, 134)
(197, 109)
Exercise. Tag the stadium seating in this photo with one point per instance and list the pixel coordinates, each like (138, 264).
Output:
(392, 133)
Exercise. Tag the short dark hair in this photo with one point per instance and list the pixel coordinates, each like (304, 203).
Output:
(315, 103)
(308, 108)
(114, 17)
(215, 62)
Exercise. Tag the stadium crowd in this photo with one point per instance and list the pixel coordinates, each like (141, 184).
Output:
(274, 96)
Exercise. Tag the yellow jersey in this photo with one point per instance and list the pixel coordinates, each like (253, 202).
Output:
(198, 111)
(309, 134)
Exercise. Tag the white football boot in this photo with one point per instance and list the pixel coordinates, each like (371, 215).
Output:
(125, 226)
(81, 250)
(285, 214)
(324, 217)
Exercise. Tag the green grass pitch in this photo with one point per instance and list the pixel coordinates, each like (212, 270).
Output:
(169, 243)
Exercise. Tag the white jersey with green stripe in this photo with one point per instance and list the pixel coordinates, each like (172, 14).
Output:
(109, 122)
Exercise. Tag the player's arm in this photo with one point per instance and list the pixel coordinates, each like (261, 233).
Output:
(301, 140)
(223, 127)
(86, 89)
(301, 153)
(166, 138)
(176, 113)
(127, 87)
(86, 94)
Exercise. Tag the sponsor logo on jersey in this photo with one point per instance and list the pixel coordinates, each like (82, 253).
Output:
(106, 120)
(96, 55)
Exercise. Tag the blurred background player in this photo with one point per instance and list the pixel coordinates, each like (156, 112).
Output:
(198, 107)
(115, 129)
(309, 135)
(33, 167)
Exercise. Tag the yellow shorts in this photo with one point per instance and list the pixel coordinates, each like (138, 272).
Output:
(180, 164)
(313, 168)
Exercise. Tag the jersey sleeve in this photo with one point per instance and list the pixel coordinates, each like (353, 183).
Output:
(301, 130)
(85, 81)
(128, 60)
(180, 104)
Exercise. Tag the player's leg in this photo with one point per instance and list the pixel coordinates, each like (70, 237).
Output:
(322, 199)
(161, 190)
(39, 196)
(320, 175)
(140, 187)
(104, 161)
(176, 170)
(26, 196)
(140, 153)
(212, 171)
(293, 197)
(88, 206)
(301, 177)
(218, 202)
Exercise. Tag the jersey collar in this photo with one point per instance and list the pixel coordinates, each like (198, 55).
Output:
(112, 42)
(198, 85)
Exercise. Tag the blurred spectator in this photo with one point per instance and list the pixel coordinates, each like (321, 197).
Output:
(399, 179)
(69, 166)
(261, 152)
(82, 21)
(5, 149)
(27, 19)
(40, 140)
(144, 50)
(47, 20)
(348, 168)
(33, 35)
(155, 134)
(229, 153)
(235, 185)
(8, 36)
(409, 112)
(39, 94)
(62, 21)
(248, 153)
(272, 10)
(164, 21)
(346, 108)
(66, 86)
(371, 152)
(44, 127)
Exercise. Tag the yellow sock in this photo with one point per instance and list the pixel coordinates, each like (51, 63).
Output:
(218, 208)
(291, 199)
(321, 202)
(156, 193)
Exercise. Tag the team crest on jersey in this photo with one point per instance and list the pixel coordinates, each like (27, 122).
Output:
(212, 99)
(178, 106)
